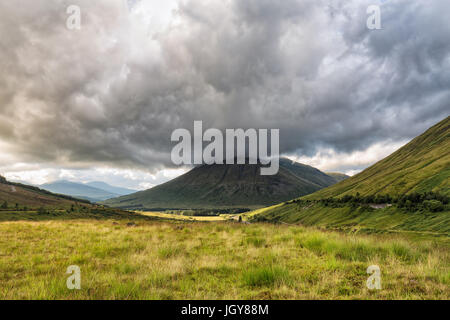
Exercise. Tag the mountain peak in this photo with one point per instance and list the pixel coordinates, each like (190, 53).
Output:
(229, 186)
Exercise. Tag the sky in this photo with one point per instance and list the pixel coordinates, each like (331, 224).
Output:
(101, 102)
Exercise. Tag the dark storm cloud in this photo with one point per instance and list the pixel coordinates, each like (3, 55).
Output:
(112, 92)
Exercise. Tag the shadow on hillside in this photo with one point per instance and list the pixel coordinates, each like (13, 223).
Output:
(102, 214)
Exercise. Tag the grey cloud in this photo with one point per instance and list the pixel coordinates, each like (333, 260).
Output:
(112, 94)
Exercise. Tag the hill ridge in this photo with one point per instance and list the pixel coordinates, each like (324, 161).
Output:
(78, 190)
(31, 196)
(228, 186)
(408, 191)
(406, 170)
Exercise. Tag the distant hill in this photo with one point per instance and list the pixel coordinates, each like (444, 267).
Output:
(78, 190)
(420, 166)
(228, 186)
(112, 189)
(32, 197)
(338, 176)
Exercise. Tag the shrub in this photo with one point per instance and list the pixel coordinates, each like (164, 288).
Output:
(42, 210)
(433, 205)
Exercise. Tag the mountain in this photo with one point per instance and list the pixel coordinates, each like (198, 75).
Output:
(420, 166)
(228, 186)
(338, 176)
(78, 190)
(32, 197)
(112, 189)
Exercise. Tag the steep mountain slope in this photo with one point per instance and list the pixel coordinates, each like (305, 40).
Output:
(78, 190)
(423, 165)
(32, 197)
(420, 166)
(109, 188)
(228, 186)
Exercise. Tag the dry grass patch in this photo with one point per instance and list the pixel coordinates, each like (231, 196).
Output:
(202, 260)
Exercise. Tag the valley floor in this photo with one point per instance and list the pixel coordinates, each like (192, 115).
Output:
(162, 215)
(142, 259)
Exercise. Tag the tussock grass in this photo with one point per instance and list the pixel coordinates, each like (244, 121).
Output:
(254, 241)
(265, 276)
(224, 260)
(169, 251)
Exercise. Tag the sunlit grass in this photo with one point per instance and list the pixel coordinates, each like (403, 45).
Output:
(221, 260)
(184, 218)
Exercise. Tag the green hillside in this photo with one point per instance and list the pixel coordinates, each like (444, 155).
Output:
(228, 186)
(32, 197)
(359, 218)
(21, 202)
(406, 192)
(420, 166)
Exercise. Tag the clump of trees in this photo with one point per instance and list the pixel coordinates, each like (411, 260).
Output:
(431, 201)
(433, 205)
(42, 211)
(6, 206)
(76, 208)
(208, 212)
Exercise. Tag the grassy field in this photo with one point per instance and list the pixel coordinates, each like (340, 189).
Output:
(162, 215)
(78, 213)
(144, 259)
